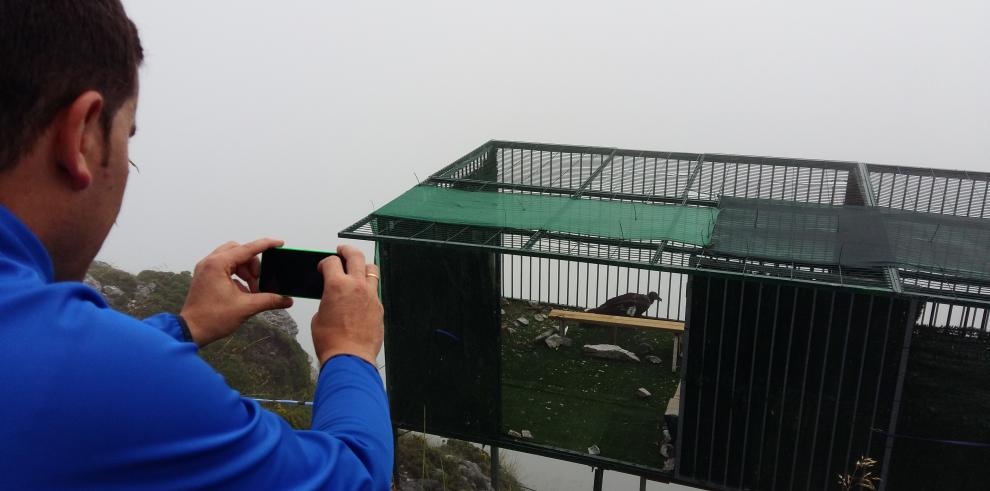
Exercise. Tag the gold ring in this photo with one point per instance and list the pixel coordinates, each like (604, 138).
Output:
(373, 275)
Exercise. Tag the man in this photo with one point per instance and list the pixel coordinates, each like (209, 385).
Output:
(93, 399)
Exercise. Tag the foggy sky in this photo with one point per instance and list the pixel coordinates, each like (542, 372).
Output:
(292, 118)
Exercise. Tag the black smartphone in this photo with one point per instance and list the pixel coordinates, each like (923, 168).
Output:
(292, 272)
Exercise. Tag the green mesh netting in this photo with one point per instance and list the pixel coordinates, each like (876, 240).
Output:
(853, 236)
(602, 218)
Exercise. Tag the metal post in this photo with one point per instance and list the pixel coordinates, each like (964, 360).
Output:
(898, 393)
(395, 455)
(599, 477)
(642, 484)
(494, 469)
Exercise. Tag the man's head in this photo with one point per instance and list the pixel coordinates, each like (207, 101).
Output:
(68, 92)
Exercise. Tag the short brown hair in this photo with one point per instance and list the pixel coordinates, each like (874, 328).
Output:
(51, 51)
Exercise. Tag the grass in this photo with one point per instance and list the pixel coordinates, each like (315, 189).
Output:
(571, 401)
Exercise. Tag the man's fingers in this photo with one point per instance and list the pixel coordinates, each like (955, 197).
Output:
(355, 260)
(373, 276)
(225, 246)
(244, 272)
(241, 254)
(240, 285)
(330, 267)
(255, 267)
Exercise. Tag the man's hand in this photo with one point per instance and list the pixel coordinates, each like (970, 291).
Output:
(217, 303)
(349, 321)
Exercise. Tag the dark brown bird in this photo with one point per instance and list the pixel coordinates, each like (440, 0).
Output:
(629, 304)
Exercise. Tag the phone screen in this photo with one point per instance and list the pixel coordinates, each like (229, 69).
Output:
(292, 272)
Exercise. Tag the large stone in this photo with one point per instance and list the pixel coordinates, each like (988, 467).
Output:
(555, 341)
(515, 434)
(594, 450)
(539, 317)
(642, 393)
(473, 474)
(522, 320)
(609, 352)
(281, 320)
(143, 290)
(112, 291)
(543, 335)
(534, 304)
(654, 359)
(527, 435)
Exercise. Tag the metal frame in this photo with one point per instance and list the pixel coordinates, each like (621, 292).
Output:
(695, 179)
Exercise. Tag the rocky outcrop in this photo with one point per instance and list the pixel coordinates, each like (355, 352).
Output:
(281, 320)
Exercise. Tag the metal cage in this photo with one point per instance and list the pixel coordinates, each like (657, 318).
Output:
(853, 351)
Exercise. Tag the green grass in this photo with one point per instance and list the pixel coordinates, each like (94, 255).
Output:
(571, 401)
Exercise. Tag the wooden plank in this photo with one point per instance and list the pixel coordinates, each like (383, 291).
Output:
(617, 320)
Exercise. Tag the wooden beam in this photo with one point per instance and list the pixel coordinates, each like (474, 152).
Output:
(617, 320)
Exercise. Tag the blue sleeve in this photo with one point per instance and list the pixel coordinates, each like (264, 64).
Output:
(169, 324)
(130, 409)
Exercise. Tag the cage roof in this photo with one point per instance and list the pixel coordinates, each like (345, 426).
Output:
(903, 230)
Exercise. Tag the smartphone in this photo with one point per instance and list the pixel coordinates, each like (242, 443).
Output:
(292, 272)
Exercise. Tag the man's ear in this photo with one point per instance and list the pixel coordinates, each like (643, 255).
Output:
(79, 139)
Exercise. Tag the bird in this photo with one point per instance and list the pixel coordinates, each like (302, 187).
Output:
(629, 304)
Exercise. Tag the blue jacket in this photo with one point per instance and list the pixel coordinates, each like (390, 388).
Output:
(93, 399)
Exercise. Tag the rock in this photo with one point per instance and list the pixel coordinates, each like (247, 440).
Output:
(666, 436)
(112, 291)
(474, 475)
(502, 311)
(594, 450)
(609, 352)
(643, 349)
(534, 304)
(142, 291)
(667, 450)
(515, 434)
(555, 341)
(543, 335)
(668, 465)
(654, 359)
(522, 320)
(527, 435)
(92, 283)
(642, 393)
(539, 317)
(281, 320)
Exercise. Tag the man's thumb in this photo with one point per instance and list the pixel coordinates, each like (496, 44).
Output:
(261, 302)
